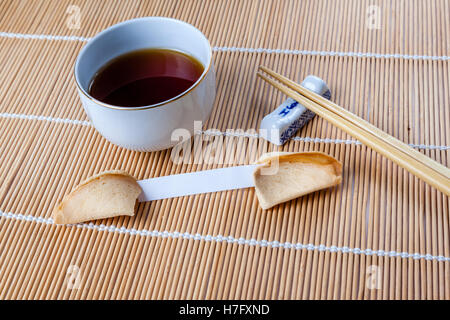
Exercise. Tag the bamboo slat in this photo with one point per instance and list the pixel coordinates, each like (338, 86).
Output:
(382, 223)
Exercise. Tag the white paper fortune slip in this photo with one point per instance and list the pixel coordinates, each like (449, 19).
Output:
(186, 184)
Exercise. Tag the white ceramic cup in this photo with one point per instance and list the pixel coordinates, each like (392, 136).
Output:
(147, 128)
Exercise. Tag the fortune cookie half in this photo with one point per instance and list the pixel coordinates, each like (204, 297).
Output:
(105, 195)
(298, 174)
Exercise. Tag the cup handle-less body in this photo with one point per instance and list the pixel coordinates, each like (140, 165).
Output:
(147, 128)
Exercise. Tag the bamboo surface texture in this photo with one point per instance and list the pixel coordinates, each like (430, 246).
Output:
(382, 234)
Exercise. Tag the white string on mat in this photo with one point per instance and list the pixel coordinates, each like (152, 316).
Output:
(28, 36)
(250, 50)
(230, 239)
(212, 132)
(44, 118)
(333, 53)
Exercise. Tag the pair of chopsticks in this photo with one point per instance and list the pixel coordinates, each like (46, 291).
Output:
(403, 155)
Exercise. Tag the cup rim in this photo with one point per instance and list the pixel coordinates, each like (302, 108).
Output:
(156, 105)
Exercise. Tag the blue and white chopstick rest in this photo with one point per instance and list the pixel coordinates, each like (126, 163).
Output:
(282, 123)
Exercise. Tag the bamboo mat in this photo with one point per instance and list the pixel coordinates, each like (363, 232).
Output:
(383, 234)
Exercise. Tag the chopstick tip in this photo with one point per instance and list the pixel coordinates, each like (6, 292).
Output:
(261, 75)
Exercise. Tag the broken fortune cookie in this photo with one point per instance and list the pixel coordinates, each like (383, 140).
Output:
(105, 195)
(298, 174)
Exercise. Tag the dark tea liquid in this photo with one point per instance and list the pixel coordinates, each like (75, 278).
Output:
(145, 77)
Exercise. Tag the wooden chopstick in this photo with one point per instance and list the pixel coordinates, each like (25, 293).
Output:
(325, 103)
(423, 167)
